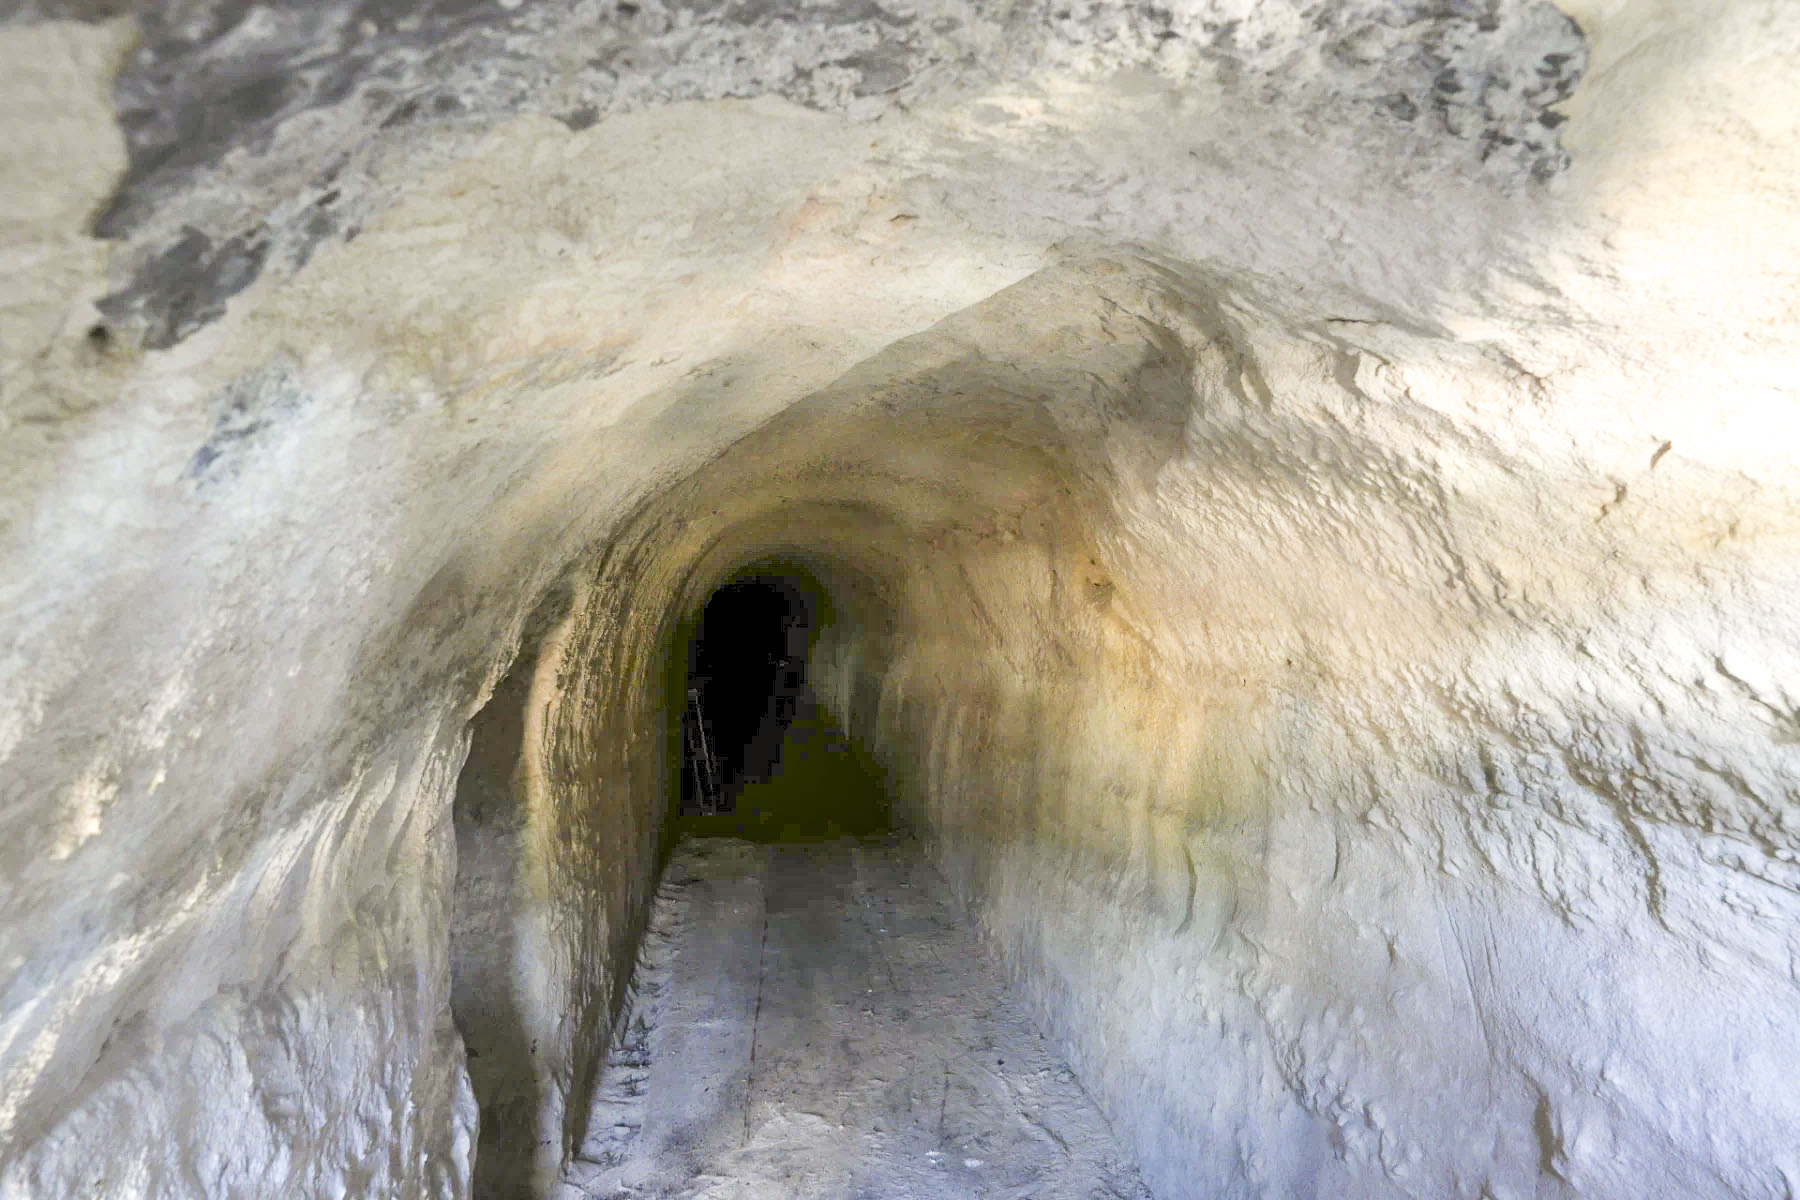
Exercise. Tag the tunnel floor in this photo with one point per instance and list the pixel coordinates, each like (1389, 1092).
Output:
(813, 1019)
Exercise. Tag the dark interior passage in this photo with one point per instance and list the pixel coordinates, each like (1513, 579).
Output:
(746, 666)
(760, 759)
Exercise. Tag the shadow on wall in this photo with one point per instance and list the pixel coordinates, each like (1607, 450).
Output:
(490, 819)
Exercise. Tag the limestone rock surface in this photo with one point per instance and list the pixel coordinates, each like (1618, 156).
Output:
(1305, 491)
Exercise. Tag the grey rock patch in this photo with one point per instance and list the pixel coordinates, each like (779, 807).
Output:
(185, 286)
(241, 117)
(32, 12)
(585, 117)
(242, 411)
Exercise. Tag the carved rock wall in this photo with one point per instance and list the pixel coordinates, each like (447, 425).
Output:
(1306, 502)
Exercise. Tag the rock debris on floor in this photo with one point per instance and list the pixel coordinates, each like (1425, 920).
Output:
(816, 1021)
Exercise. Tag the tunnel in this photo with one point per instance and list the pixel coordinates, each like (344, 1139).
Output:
(746, 667)
(760, 757)
(913, 600)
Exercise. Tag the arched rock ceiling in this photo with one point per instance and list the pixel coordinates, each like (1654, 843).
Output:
(1310, 488)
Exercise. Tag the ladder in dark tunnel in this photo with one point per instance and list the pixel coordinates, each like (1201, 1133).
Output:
(699, 753)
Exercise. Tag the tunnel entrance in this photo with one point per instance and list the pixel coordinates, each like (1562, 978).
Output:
(760, 758)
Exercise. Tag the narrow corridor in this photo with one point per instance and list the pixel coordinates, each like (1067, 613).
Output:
(815, 1020)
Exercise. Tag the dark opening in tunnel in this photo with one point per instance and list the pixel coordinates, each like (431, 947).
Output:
(746, 669)
(760, 758)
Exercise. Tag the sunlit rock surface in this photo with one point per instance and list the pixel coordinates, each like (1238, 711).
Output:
(1306, 495)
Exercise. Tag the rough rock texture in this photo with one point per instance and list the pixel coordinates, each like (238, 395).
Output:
(257, 130)
(1307, 503)
(810, 1021)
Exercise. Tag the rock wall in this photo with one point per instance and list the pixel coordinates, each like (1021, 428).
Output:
(1371, 843)
(1305, 497)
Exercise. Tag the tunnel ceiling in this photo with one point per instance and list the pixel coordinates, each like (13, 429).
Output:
(1304, 490)
(254, 131)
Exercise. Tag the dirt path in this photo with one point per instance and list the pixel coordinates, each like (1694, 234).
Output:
(813, 1021)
